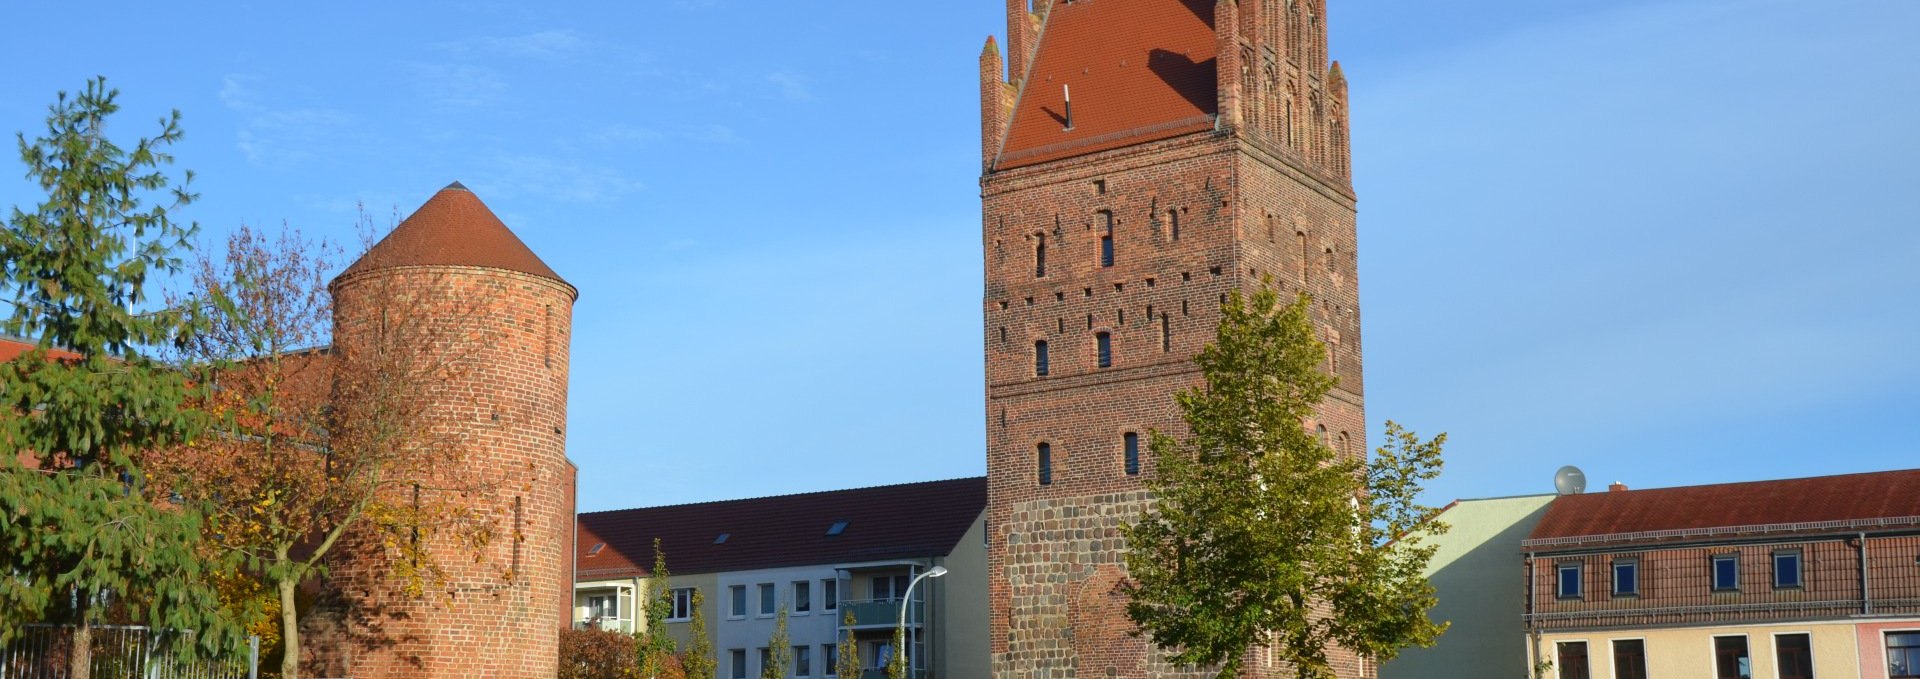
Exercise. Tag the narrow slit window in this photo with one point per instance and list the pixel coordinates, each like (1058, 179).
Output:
(1173, 224)
(1103, 347)
(1040, 358)
(1040, 256)
(1130, 442)
(1166, 334)
(1106, 238)
(1045, 455)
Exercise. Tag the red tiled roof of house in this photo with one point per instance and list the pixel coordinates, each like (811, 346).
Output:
(11, 348)
(453, 228)
(1847, 497)
(1138, 70)
(884, 522)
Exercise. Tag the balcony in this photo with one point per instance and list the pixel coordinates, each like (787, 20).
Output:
(606, 624)
(882, 613)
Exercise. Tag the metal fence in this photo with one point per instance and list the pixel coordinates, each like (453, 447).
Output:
(118, 652)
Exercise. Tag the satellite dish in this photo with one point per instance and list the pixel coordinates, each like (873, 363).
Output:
(1570, 481)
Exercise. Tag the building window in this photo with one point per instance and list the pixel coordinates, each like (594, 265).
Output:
(1903, 655)
(1106, 238)
(1103, 346)
(802, 596)
(830, 655)
(1046, 464)
(766, 660)
(1629, 659)
(1040, 256)
(1726, 573)
(1626, 577)
(682, 605)
(1131, 442)
(1173, 224)
(1040, 358)
(1730, 659)
(1569, 580)
(739, 595)
(829, 594)
(1166, 333)
(889, 587)
(603, 607)
(739, 656)
(803, 661)
(768, 598)
(1572, 659)
(1793, 656)
(1786, 570)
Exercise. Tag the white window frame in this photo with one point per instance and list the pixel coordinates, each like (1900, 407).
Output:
(675, 597)
(768, 606)
(1579, 569)
(1713, 654)
(1713, 575)
(829, 594)
(801, 605)
(739, 602)
(1812, 658)
(1614, 572)
(1556, 654)
(1885, 661)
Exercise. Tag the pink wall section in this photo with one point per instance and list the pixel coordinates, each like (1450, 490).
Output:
(1873, 646)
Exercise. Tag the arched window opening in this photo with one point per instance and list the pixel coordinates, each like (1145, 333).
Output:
(1344, 445)
(1040, 358)
(1045, 455)
(1103, 346)
(1321, 430)
(1130, 442)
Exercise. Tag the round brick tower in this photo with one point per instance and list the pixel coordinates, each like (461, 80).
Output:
(492, 321)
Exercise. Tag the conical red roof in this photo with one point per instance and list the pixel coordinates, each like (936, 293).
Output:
(453, 229)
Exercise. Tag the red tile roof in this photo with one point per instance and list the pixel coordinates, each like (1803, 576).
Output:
(1139, 71)
(884, 522)
(11, 348)
(1848, 497)
(453, 229)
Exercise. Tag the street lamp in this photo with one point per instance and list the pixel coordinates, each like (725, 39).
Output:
(900, 627)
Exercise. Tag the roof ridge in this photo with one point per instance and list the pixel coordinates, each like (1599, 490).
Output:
(1725, 484)
(787, 495)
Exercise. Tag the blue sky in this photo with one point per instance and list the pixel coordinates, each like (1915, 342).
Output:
(1669, 242)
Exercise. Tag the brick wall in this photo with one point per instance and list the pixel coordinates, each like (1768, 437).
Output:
(503, 405)
(1189, 222)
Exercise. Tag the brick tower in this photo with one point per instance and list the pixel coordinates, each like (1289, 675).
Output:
(1145, 158)
(500, 317)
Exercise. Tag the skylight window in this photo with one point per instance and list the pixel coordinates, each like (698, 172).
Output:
(722, 539)
(837, 528)
(595, 549)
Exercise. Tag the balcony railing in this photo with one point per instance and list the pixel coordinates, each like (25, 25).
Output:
(606, 624)
(883, 612)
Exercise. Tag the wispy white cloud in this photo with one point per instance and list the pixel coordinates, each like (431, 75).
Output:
(791, 86)
(552, 178)
(624, 133)
(713, 133)
(549, 44)
(277, 136)
(458, 85)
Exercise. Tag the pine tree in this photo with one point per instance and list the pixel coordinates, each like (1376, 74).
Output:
(1262, 534)
(79, 533)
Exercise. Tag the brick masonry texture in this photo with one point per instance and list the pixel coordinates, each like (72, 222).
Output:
(1190, 218)
(498, 615)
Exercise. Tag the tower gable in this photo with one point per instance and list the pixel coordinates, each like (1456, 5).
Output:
(1137, 71)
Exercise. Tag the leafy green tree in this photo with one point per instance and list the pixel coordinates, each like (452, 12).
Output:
(846, 659)
(655, 645)
(1262, 534)
(897, 658)
(779, 653)
(79, 533)
(698, 662)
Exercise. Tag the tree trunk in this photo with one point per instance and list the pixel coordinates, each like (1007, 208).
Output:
(80, 657)
(289, 631)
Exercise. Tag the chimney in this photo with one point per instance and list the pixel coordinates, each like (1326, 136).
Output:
(1617, 487)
